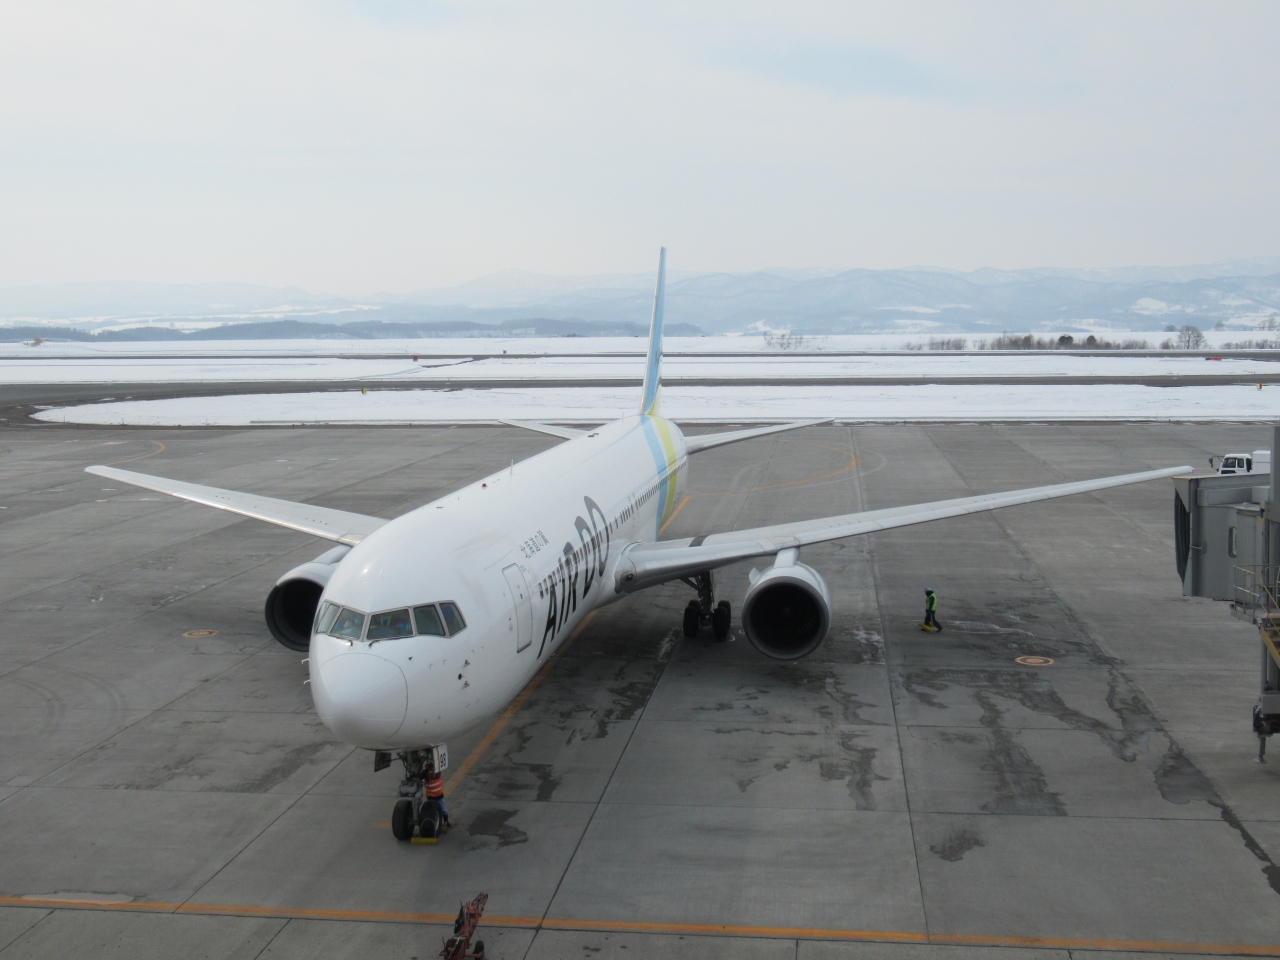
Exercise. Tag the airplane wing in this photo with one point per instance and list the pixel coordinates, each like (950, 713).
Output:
(566, 433)
(646, 564)
(339, 525)
(706, 441)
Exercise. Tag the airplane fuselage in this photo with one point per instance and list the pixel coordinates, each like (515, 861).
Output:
(524, 554)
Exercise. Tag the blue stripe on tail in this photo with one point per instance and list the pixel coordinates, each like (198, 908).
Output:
(653, 367)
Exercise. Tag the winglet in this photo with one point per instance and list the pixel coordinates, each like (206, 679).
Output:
(653, 366)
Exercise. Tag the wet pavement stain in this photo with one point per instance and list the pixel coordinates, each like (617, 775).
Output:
(493, 823)
(767, 733)
(856, 767)
(1021, 786)
(292, 761)
(547, 781)
(1181, 781)
(598, 730)
(627, 693)
(957, 844)
(1032, 691)
(511, 786)
(850, 642)
(180, 767)
(747, 694)
(820, 680)
(1015, 630)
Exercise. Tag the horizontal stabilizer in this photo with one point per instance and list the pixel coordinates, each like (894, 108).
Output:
(339, 525)
(706, 441)
(646, 564)
(567, 433)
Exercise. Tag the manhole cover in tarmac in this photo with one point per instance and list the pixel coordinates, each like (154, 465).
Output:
(1033, 661)
(200, 634)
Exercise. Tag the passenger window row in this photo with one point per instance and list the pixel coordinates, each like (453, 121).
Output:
(431, 620)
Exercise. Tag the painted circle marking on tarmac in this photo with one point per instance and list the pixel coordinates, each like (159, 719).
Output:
(1034, 661)
(200, 634)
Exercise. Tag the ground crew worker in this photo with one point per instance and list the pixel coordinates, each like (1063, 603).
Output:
(435, 791)
(931, 610)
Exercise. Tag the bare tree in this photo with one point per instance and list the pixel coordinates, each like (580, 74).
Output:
(1190, 338)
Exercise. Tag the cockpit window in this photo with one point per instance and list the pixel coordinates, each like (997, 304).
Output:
(348, 624)
(328, 613)
(453, 618)
(390, 625)
(428, 620)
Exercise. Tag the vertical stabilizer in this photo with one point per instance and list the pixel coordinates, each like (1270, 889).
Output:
(653, 363)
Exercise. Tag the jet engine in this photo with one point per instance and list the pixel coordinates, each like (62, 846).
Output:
(787, 609)
(292, 602)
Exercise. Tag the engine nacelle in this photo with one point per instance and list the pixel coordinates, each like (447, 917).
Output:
(787, 609)
(292, 602)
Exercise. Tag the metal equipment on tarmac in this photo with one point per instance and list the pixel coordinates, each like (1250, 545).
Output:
(458, 946)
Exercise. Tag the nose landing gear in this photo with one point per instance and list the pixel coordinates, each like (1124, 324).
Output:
(421, 805)
(705, 611)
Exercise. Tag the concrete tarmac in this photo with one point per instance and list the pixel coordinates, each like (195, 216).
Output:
(166, 789)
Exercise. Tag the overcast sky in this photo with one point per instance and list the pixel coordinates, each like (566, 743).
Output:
(395, 145)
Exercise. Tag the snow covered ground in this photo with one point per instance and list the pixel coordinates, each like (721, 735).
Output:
(230, 369)
(482, 361)
(696, 404)
(550, 346)
(460, 346)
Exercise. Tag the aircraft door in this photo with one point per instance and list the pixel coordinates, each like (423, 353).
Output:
(523, 614)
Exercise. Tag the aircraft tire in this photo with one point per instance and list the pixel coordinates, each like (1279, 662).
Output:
(402, 821)
(691, 617)
(721, 620)
(429, 825)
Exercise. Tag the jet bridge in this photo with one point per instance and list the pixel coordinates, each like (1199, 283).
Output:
(1227, 535)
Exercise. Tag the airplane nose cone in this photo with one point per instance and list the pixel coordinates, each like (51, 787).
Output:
(361, 697)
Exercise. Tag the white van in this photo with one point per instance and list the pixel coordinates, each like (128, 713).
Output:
(1257, 462)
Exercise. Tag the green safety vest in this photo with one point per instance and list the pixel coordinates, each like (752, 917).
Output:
(931, 603)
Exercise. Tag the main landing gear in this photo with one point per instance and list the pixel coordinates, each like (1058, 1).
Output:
(705, 612)
(421, 804)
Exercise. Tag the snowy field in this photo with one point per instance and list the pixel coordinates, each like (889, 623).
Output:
(547, 346)
(695, 404)
(465, 346)
(782, 366)
(722, 360)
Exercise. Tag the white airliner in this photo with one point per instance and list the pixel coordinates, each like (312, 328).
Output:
(421, 627)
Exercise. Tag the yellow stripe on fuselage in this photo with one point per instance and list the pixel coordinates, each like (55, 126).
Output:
(669, 451)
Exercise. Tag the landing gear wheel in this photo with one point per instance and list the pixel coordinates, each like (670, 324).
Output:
(429, 824)
(691, 618)
(402, 820)
(721, 619)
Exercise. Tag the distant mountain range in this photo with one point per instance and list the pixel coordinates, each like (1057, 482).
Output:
(1239, 294)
